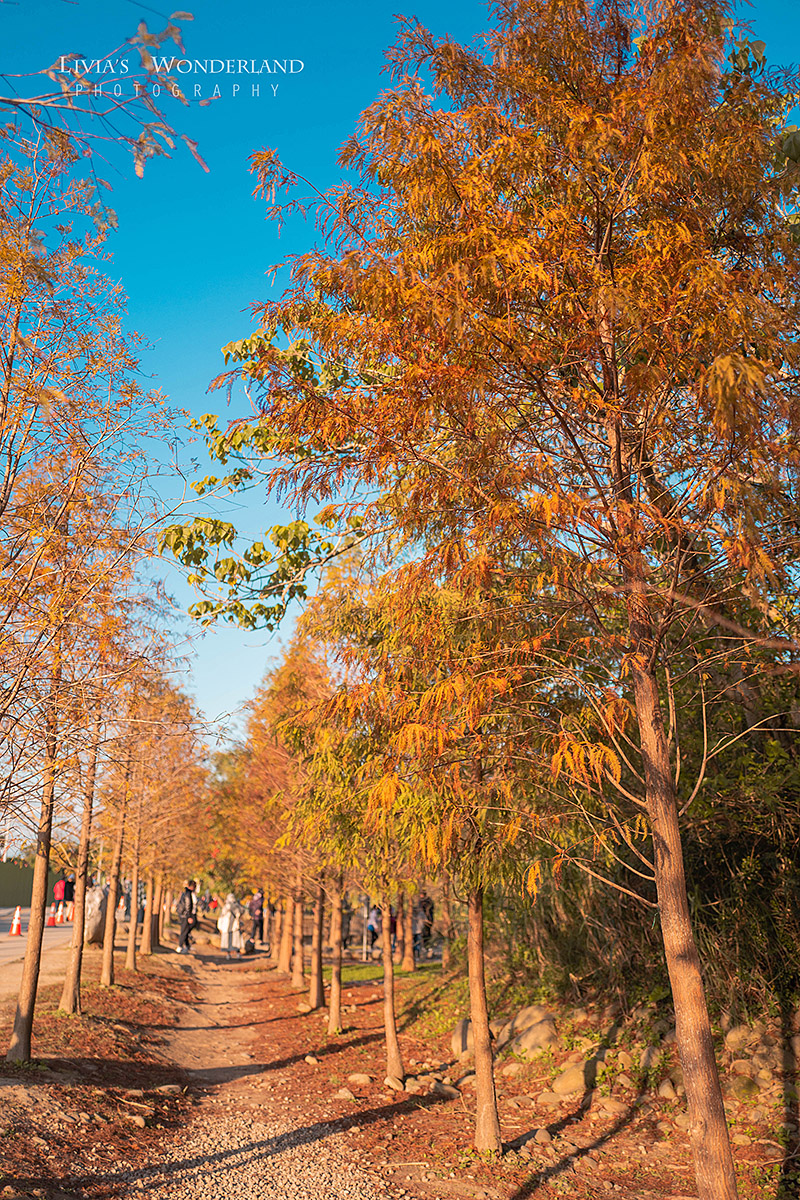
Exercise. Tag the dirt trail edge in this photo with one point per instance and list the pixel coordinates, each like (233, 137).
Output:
(236, 1143)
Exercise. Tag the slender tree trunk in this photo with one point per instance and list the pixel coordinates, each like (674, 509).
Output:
(70, 1001)
(447, 923)
(133, 925)
(275, 940)
(316, 992)
(285, 955)
(107, 969)
(487, 1122)
(708, 1129)
(158, 907)
(19, 1049)
(409, 963)
(335, 1009)
(146, 944)
(298, 975)
(165, 916)
(394, 1059)
(400, 945)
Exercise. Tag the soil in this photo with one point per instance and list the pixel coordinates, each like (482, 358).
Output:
(227, 1038)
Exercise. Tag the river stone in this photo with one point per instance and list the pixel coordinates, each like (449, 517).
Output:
(359, 1079)
(394, 1083)
(344, 1094)
(533, 1039)
(666, 1091)
(744, 1089)
(542, 1137)
(578, 1078)
(95, 916)
(614, 1108)
(648, 1058)
(532, 1014)
(737, 1038)
(740, 1139)
(444, 1089)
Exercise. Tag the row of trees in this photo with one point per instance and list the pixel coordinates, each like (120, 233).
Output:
(542, 371)
(89, 713)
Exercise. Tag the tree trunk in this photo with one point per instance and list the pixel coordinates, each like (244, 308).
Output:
(708, 1129)
(394, 1060)
(133, 925)
(107, 969)
(165, 916)
(400, 944)
(146, 944)
(447, 923)
(70, 1001)
(487, 1122)
(335, 1009)
(158, 906)
(285, 955)
(298, 975)
(19, 1049)
(409, 963)
(316, 992)
(275, 940)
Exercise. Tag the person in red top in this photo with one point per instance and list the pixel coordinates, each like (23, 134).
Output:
(58, 890)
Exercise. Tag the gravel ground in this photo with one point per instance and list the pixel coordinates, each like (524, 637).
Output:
(231, 1156)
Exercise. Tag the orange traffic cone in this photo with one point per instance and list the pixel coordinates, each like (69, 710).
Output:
(60, 913)
(51, 916)
(71, 911)
(16, 924)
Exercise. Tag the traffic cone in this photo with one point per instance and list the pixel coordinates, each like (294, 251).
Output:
(16, 924)
(60, 913)
(51, 916)
(71, 911)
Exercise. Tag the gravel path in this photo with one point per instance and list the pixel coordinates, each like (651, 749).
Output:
(234, 1146)
(229, 1157)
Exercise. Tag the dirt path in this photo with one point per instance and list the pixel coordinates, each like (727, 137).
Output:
(240, 1140)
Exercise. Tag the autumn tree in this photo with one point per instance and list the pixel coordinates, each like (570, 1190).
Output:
(557, 317)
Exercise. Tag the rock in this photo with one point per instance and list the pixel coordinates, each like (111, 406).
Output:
(542, 1137)
(136, 1119)
(666, 1091)
(549, 1099)
(313, 1061)
(664, 1127)
(394, 1083)
(533, 1014)
(461, 1040)
(682, 1121)
(445, 1089)
(304, 1007)
(579, 1078)
(138, 1094)
(496, 1024)
(357, 1078)
(737, 1038)
(744, 1089)
(511, 1070)
(740, 1139)
(649, 1057)
(95, 919)
(626, 1082)
(614, 1108)
(742, 1066)
(414, 1087)
(624, 1059)
(166, 1089)
(344, 1094)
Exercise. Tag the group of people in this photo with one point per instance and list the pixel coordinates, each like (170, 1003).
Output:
(421, 925)
(230, 922)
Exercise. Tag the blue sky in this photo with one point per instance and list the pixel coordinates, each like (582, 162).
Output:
(192, 248)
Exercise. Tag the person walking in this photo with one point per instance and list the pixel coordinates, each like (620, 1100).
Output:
(185, 912)
(228, 925)
(426, 904)
(256, 910)
(374, 921)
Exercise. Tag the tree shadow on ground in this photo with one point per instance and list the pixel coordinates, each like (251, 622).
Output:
(155, 1175)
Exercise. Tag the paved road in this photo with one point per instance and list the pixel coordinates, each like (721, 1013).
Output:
(13, 948)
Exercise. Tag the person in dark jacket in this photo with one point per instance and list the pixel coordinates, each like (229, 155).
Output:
(256, 910)
(185, 912)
